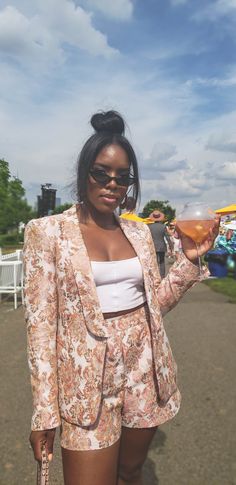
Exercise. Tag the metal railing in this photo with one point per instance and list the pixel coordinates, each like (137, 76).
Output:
(11, 275)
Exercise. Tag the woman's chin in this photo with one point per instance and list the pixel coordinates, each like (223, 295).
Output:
(106, 208)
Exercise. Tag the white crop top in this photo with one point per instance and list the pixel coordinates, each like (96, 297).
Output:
(119, 284)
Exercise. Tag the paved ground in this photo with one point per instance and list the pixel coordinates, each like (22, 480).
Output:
(197, 448)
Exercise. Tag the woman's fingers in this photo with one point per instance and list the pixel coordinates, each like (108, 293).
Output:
(213, 233)
(50, 441)
(36, 440)
(217, 226)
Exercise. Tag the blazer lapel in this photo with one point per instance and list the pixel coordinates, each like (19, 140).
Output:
(141, 247)
(83, 274)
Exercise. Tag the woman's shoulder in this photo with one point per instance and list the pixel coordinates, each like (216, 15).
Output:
(44, 221)
(134, 226)
(52, 220)
(48, 226)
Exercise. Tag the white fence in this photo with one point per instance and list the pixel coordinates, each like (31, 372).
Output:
(16, 256)
(11, 275)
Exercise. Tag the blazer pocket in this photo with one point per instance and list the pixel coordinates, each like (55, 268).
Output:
(165, 366)
(80, 382)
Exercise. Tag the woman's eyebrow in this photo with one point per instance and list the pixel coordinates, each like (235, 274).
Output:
(107, 167)
(97, 164)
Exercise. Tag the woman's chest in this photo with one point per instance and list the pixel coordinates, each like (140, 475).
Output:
(107, 245)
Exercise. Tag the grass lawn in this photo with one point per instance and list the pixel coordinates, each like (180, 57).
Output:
(227, 286)
(11, 249)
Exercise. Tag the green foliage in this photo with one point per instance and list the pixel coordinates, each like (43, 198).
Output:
(11, 239)
(61, 208)
(161, 205)
(227, 286)
(13, 205)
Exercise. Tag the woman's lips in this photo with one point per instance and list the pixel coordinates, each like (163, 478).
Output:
(109, 199)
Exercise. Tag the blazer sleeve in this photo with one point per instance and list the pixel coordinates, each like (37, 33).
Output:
(182, 275)
(41, 317)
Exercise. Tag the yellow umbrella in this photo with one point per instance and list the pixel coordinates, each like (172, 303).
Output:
(133, 217)
(229, 209)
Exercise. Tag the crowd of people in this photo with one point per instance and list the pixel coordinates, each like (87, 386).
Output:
(227, 238)
(167, 241)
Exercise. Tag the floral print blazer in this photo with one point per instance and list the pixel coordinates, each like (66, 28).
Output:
(65, 326)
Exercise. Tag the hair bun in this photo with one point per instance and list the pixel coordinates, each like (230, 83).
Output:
(108, 122)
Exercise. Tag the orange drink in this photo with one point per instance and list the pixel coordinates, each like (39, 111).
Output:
(197, 230)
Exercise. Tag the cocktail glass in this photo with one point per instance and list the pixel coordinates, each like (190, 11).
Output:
(195, 221)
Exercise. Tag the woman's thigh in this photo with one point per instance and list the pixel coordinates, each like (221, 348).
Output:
(93, 467)
(134, 445)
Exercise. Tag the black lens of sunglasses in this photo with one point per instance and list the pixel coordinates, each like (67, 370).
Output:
(104, 179)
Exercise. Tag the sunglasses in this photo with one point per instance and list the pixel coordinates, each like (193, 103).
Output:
(103, 178)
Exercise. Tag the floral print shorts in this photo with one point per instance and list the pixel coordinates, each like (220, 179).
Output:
(129, 388)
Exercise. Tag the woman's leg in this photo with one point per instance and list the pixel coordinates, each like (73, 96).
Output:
(93, 467)
(134, 446)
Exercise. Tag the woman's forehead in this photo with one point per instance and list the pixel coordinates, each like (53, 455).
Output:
(112, 156)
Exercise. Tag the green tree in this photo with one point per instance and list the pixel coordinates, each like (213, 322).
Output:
(13, 205)
(162, 206)
(4, 181)
(61, 208)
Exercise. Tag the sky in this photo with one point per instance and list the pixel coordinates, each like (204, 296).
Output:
(168, 66)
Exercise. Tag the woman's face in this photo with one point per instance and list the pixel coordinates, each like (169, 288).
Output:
(112, 160)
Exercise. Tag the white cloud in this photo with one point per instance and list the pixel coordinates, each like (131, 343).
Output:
(43, 35)
(172, 188)
(227, 80)
(118, 9)
(221, 143)
(44, 118)
(227, 171)
(216, 10)
(161, 161)
(165, 52)
(152, 169)
(26, 39)
(200, 180)
(225, 6)
(171, 165)
(74, 26)
(162, 151)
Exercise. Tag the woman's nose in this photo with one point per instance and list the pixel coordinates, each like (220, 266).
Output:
(112, 182)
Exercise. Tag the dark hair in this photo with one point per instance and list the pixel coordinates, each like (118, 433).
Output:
(109, 127)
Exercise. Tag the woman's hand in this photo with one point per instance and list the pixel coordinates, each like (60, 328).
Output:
(191, 251)
(36, 439)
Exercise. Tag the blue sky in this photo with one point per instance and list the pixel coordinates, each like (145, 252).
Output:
(168, 66)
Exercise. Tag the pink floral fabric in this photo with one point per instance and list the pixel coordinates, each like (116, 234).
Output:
(67, 334)
(129, 388)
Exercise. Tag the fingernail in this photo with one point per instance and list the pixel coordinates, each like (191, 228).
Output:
(50, 457)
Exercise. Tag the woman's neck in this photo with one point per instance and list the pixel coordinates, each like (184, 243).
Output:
(89, 216)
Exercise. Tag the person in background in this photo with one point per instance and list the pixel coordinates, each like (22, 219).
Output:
(227, 241)
(160, 238)
(175, 239)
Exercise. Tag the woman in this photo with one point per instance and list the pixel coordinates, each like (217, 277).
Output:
(100, 361)
(227, 240)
